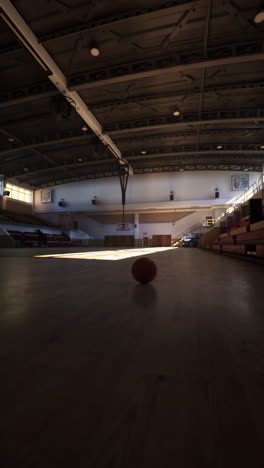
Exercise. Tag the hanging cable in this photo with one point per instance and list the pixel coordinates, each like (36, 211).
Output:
(205, 52)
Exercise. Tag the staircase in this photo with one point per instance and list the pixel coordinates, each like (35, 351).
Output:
(247, 195)
(195, 229)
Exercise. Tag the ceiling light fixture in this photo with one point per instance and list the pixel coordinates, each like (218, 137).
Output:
(181, 170)
(176, 113)
(262, 147)
(259, 18)
(11, 140)
(80, 159)
(84, 128)
(25, 169)
(94, 51)
(143, 152)
(219, 147)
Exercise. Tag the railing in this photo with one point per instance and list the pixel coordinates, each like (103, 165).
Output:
(209, 222)
(249, 193)
(195, 229)
(3, 232)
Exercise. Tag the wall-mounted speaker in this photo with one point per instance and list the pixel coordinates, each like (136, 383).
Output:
(61, 203)
(7, 193)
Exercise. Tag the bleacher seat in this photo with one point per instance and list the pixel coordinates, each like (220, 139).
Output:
(31, 239)
(260, 250)
(241, 240)
(9, 216)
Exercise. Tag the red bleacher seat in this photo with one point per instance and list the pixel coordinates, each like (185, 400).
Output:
(260, 250)
(216, 247)
(250, 236)
(31, 239)
(236, 249)
(245, 243)
(227, 240)
(242, 223)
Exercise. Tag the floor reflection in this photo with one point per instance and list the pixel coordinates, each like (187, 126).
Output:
(145, 296)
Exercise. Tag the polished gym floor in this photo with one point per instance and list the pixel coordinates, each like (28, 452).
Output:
(99, 372)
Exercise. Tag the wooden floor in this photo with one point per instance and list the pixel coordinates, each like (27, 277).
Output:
(99, 372)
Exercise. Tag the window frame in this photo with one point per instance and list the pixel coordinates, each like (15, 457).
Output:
(19, 194)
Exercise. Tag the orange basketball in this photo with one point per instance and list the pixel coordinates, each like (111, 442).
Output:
(144, 270)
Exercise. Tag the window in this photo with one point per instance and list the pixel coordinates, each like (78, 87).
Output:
(19, 193)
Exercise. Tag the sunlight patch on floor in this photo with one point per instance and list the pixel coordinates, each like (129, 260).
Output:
(108, 254)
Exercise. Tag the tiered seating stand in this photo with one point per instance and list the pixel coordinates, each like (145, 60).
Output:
(31, 239)
(248, 239)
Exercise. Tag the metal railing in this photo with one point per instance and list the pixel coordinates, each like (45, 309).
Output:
(249, 193)
(209, 222)
(195, 229)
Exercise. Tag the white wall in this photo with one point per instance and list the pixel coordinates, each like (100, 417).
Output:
(218, 212)
(187, 186)
(91, 227)
(97, 230)
(175, 229)
(190, 186)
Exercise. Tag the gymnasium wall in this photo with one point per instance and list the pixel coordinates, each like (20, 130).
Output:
(175, 229)
(187, 186)
(97, 230)
(18, 207)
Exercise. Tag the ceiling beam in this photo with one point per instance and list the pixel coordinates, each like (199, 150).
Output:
(30, 93)
(44, 141)
(180, 157)
(77, 136)
(242, 86)
(231, 148)
(228, 54)
(170, 167)
(179, 25)
(86, 159)
(207, 118)
(235, 12)
(44, 91)
(74, 165)
(252, 148)
(256, 155)
(172, 7)
(26, 36)
(34, 150)
(200, 167)
(188, 133)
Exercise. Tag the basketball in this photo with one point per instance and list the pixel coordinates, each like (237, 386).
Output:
(144, 270)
